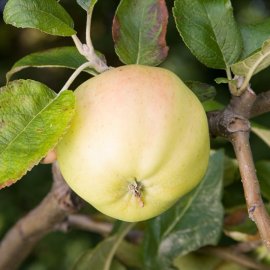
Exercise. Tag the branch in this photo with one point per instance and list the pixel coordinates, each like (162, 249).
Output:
(256, 209)
(86, 223)
(21, 239)
(75, 74)
(229, 254)
(261, 104)
(232, 123)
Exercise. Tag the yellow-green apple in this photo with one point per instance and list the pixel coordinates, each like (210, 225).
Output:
(137, 143)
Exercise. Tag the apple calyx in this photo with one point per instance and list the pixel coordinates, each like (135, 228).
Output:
(136, 188)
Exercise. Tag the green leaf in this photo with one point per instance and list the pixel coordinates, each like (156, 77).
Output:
(209, 30)
(117, 266)
(32, 120)
(254, 35)
(231, 171)
(65, 57)
(139, 30)
(129, 254)
(101, 257)
(194, 261)
(212, 105)
(254, 63)
(47, 16)
(195, 221)
(262, 132)
(87, 4)
(263, 173)
(203, 91)
(221, 80)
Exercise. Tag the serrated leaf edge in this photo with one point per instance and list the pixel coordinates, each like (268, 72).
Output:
(9, 182)
(57, 19)
(192, 51)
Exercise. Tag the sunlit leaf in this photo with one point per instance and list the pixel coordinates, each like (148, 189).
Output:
(32, 120)
(47, 16)
(254, 63)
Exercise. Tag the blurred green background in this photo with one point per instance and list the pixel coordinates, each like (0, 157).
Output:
(59, 250)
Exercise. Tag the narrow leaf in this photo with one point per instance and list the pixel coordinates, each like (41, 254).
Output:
(87, 4)
(221, 80)
(262, 132)
(101, 257)
(47, 16)
(195, 221)
(209, 30)
(32, 120)
(254, 63)
(203, 91)
(139, 30)
(254, 35)
(65, 57)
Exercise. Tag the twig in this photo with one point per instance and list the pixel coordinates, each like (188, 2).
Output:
(75, 74)
(24, 235)
(230, 255)
(84, 222)
(232, 123)
(261, 104)
(87, 223)
(245, 247)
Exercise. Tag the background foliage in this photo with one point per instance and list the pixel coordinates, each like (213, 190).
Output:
(60, 250)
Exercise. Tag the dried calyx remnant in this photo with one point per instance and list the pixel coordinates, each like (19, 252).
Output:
(136, 188)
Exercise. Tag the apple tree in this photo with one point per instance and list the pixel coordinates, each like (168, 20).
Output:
(108, 122)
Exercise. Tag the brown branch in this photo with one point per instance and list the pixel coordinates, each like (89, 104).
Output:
(261, 104)
(245, 247)
(24, 235)
(256, 209)
(83, 222)
(229, 254)
(232, 123)
(86, 223)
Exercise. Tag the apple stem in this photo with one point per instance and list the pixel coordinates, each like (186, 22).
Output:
(75, 75)
(136, 189)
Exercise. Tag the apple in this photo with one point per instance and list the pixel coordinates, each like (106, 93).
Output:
(138, 142)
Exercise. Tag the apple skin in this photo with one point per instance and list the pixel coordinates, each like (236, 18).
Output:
(139, 141)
